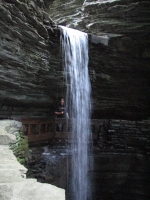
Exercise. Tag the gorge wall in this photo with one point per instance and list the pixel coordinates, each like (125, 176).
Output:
(121, 161)
(29, 75)
(120, 70)
(31, 80)
(30, 58)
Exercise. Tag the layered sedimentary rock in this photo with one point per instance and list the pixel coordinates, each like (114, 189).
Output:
(120, 169)
(28, 71)
(119, 69)
(31, 78)
(30, 58)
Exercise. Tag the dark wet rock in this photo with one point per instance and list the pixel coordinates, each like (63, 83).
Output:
(26, 62)
(31, 75)
(119, 69)
(120, 162)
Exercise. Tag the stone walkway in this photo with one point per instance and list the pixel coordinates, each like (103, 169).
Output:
(13, 182)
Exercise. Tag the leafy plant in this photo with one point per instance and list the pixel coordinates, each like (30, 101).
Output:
(20, 148)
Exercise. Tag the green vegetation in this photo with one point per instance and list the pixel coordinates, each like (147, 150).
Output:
(20, 148)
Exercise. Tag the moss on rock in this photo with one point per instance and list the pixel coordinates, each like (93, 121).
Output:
(20, 148)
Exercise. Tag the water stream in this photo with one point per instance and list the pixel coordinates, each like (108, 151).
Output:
(78, 99)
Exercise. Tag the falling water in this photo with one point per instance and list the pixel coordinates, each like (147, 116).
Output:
(75, 55)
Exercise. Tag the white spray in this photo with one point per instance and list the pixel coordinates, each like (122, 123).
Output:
(75, 55)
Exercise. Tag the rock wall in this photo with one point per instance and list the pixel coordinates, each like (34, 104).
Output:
(124, 136)
(8, 131)
(119, 69)
(121, 169)
(27, 68)
(121, 165)
(121, 176)
(30, 58)
(31, 79)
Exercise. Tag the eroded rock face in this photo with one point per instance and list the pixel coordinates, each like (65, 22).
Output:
(30, 58)
(28, 70)
(119, 69)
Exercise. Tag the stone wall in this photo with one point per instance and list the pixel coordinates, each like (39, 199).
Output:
(125, 136)
(122, 160)
(121, 176)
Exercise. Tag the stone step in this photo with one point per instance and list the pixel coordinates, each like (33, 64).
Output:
(2, 130)
(4, 147)
(11, 166)
(7, 189)
(7, 157)
(6, 152)
(37, 191)
(6, 139)
(9, 162)
(29, 189)
(11, 175)
(17, 166)
(6, 161)
(22, 182)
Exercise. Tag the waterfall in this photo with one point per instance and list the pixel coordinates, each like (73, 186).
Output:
(75, 57)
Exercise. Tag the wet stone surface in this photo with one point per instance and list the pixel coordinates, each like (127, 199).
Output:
(48, 163)
(115, 172)
(121, 169)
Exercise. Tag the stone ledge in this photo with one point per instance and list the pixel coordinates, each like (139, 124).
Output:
(13, 182)
(14, 187)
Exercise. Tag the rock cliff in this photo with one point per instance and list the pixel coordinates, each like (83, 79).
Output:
(28, 71)
(30, 59)
(120, 71)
